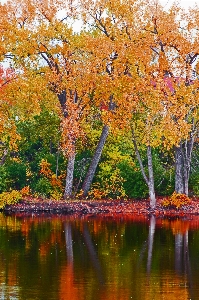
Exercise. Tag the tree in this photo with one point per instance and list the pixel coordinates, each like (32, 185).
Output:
(8, 133)
(45, 43)
(110, 43)
(167, 95)
(131, 69)
(128, 63)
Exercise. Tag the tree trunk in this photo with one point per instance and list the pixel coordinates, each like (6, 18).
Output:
(69, 176)
(183, 155)
(95, 160)
(179, 177)
(71, 157)
(151, 179)
(187, 155)
(140, 162)
(186, 181)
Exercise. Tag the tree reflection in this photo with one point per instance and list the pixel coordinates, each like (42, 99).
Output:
(179, 237)
(67, 288)
(99, 258)
(69, 242)
(150, 242)
(93, 254)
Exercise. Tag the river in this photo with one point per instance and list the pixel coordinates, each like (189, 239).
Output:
(97, 257)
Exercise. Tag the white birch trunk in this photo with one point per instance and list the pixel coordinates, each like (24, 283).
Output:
(151, 179)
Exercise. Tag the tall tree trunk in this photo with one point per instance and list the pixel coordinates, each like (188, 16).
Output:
(183, 156)
(187, 155)
(179, 176)
(71, 158)
(151, 179)
(57, 162)
(69, 176)
(95, 160)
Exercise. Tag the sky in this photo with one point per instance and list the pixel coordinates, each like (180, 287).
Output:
(183, 3)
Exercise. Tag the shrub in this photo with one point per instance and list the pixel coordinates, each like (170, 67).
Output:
(48, 185)
(43, 187)
(109, 183)
(55, 195)
(9, 198)
(16, 175)
(25, 191)
(134, 184)
(3, 179)
(176, 201)
(194, 183)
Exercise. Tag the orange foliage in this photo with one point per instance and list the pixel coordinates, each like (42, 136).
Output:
(176, 200)
(119, 59)
(56, 181)
(25, 191)
(126, 65)
(45, 168)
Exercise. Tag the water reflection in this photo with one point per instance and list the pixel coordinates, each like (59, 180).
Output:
(60, 257)
(150, 242)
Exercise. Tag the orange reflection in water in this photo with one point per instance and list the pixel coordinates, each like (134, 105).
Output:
(148, 286)
(169, 287)
(68, 289)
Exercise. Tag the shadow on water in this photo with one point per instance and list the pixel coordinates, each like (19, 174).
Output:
(104, 257)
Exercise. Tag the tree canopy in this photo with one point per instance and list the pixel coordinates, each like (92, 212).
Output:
(130, 70)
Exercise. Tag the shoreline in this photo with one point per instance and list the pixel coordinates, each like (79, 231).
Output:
(100, 207)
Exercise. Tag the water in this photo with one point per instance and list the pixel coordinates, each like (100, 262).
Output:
(112, 258)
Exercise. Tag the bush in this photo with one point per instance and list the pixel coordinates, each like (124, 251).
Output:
(43, 187)
(3, 179)
(176, 201)
(194, 183)
(164, 175)
(134, 184)
(109, 184)
(9, 198)
(16, 175)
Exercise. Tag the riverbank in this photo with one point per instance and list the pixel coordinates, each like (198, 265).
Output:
(96, 207)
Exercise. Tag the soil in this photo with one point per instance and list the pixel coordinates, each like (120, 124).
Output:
(95, 207)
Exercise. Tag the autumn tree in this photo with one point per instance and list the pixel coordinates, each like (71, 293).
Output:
(114, 63)
(125, 37)
(131, 62)
(156, 53)
(8, 132)
(188, 93)
(44, 42)
(176, 53)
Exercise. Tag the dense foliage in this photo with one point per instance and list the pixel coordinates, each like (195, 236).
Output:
(108, 111)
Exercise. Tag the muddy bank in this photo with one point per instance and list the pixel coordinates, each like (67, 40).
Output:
(94, 207)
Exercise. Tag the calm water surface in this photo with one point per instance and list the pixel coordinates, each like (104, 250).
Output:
(95, 258)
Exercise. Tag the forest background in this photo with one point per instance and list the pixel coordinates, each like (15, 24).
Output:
(110, 111)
